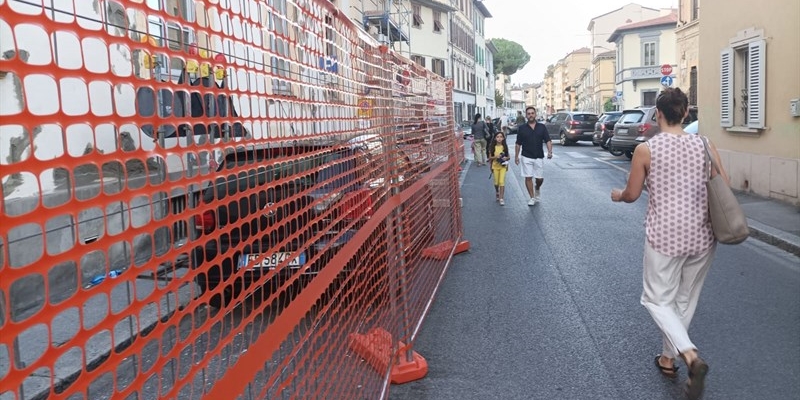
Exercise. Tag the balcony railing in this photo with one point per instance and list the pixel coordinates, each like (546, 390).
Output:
(637, 73)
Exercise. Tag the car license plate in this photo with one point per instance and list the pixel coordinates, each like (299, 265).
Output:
(623, 131)
(255, 261)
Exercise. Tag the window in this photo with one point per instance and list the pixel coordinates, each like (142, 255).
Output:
(417, 10)
(437, 66)
(437, 21)
(420, 60)
(742, 82)
(695, 10)
(649, 97)
(693, 86)
(649, 54)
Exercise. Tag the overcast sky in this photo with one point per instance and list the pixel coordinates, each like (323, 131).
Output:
(550, 29)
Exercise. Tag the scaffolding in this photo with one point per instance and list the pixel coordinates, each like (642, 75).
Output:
(391, 19)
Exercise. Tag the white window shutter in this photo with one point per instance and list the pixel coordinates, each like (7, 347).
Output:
(755, 84)
(726, 88)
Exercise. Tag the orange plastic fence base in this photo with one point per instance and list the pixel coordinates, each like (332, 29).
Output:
(442, 250)
(375, 347)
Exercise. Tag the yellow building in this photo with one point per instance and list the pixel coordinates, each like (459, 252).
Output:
(604, 67)
(748, 91)
(687, 36)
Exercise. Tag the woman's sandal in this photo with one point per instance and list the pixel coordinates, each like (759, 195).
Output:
(669, 372)
(697, 379)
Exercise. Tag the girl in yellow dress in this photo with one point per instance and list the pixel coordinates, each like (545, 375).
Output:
(499, 156)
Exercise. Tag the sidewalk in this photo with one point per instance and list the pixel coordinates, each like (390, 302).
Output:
(772, 221)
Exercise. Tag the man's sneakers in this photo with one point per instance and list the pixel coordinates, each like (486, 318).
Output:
(536, 195)
(502, 202)
(532, 201)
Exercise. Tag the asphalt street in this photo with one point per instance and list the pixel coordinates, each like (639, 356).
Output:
(545, 305)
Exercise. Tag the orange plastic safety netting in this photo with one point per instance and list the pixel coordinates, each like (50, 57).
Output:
(215, 199)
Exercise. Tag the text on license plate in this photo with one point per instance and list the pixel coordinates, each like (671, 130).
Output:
(622, 131)
(270, 260)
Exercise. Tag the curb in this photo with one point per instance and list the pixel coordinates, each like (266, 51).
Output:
(774, 237)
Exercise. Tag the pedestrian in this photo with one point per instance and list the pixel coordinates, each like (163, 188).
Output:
(479, 132)
(530, 139)
(520, 119)
(490, 135)
(680, 244)
(499, 156)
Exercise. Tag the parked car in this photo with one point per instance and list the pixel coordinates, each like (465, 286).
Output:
(604, 128)
(638, 125)
(571, 127)
(635, 126)
(278, 210)
(691, 128)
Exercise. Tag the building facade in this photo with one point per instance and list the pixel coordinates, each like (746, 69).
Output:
(687, 35)
(429, 35)
(748, 94)
(604, 66)
(491, 81)
(482, 79)
(642, 48)
(462, 50)
(601, 83)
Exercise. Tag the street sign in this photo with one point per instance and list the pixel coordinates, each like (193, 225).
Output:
(666, 69)
(365, 108)
(666, 81)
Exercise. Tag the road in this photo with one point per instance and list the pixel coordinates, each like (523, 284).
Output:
(545, 305)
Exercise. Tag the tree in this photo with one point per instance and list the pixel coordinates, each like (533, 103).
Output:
(609, 105)
(498, 98)
(510, 57)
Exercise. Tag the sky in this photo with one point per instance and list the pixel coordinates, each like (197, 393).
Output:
(550, 29)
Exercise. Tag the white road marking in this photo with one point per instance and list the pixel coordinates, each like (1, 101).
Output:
(575, 154)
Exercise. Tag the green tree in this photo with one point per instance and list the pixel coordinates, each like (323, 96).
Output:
(498, 98)
(510, 57)
(608, 105)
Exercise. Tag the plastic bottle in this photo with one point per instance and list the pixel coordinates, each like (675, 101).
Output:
(100, 278)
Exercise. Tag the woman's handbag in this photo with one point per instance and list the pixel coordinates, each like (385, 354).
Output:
(727, 218)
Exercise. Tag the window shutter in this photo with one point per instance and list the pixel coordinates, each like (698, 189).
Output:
(726, 88)
(755, 84)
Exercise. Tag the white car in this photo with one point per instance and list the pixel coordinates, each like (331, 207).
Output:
(691, 128)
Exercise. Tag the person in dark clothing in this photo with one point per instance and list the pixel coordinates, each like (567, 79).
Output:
(530, 139)
(490, 135)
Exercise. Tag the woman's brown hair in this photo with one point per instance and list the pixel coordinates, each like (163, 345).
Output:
(672, 103)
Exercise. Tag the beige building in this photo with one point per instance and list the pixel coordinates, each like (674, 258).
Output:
(604, 66)
(560, 79)
(549, 91)
(687, 35)
(574, 65)
(748, 93)
(601, 26)
(642, 48)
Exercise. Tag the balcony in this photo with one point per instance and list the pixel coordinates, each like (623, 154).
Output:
(639, 73)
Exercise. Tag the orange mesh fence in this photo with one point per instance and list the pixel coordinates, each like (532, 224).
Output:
(216, 199)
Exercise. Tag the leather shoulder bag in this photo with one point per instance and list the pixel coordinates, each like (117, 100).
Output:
(727, 218)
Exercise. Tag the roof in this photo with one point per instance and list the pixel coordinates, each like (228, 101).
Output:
(436, 5)
(591, 22)
(605, 55)
(666, 20)
(482, 8)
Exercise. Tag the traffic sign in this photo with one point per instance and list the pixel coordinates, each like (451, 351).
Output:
(666, 69)
(666, 81)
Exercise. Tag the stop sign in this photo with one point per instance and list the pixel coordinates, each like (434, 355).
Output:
(666, 69)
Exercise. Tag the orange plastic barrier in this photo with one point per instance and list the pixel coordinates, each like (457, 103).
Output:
(216, 199)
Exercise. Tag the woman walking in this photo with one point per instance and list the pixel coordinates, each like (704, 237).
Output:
(479, 130)
(499, 156)
(680, 244)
